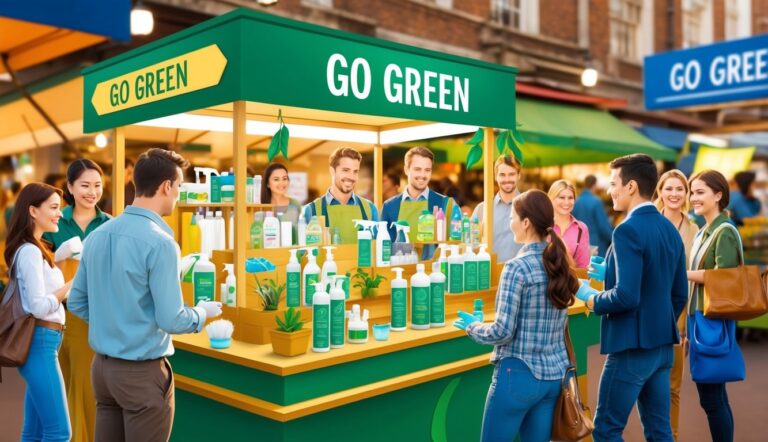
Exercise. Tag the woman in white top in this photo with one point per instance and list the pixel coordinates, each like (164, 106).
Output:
(42, 288)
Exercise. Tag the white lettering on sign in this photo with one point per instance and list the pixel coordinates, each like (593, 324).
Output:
(731, 69)
(685, 76)
(402, 85)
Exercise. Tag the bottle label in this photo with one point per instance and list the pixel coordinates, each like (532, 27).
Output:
(456, 229)
(437, 303)
(399, 300)
(444, 268)
(293, 289)
(309, 287)
(337, 322)
(483, 275)
(320, 326)
(363, 252)
(203, 283)
(358, 335)
(456, 277)
(420, 305)
(470, 276)
(386, 253)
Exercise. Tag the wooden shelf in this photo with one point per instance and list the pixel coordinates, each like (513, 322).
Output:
(187, 206)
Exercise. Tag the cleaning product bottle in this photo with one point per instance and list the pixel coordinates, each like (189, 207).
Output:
(203, 280)
(329, 266)
(311, 275)
(483, 269)
(436, 296)
(399, 301)
(425, 230)
(198, 192)
(220, 241)
(190, 242)
(420, 286)
(478, 310)
(321, 319)
(470, 270)
(257, 240)
(402, 243)
(383, 246)
(314, 232)
(364, 238)
(302, 231)
(271, 231)
(338, 313)
(207, 233)
(358, 326)
(231, 239)
(456, 226)
(293, 281)
(466, 229)
(209, 172)
(475, 231)
(440, 224)
(230, 296)
(443, 258)
(455, 271)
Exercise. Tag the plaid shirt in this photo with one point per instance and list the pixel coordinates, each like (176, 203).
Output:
(527, 326)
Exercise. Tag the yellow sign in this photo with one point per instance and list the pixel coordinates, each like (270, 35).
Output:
(727, 161)
(180, 75)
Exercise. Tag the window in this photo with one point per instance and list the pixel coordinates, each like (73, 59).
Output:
(737, 19)
(447, 4)
(697, 22)
(521, 15)
(626, 19)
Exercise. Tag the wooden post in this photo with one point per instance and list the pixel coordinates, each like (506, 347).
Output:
(378, 172)
(240, 152)
(118, 170)
(488, 150)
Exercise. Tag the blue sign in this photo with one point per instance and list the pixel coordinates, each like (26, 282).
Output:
(717, 73)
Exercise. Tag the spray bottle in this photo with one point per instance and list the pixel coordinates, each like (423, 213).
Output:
(399, 301)
(197, 192)
(443, 258)
(420, 299)
(311, 275)
(208, 172)
(483, 269)
(338, 313)
(383, 246)
(229, 297)
(293, 281)
(455, 271)
(436, 296)
(402, 241)
(470, 270)
(329, 266)
(364, 238)
(321, 319)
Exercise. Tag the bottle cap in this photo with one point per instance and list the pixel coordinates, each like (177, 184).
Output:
(478, 304)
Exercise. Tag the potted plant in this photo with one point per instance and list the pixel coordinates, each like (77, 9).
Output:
(261, 322)
(270, 293)
(368, 285)
(290, 338)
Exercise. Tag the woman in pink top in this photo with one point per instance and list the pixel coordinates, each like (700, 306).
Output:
(573, 232)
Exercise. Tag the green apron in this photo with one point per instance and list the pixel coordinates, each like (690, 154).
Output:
(341, 216)
(410, 211)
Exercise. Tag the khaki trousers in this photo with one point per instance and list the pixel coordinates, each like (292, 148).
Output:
(134, 399)
(676, 380)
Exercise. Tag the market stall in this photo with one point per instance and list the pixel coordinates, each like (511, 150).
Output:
(236, 73)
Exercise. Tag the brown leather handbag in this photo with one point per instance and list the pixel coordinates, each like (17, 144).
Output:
(737, 293)
(572, 421)
(16, 326)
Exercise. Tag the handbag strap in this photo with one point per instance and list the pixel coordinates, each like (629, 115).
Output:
(569, 346)
(12, 275)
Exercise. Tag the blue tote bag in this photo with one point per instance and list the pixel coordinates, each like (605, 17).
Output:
(715, 357)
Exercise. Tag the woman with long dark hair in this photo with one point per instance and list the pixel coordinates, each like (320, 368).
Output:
(42, 288)
(82, 216)
(535, 290)
(274, 190)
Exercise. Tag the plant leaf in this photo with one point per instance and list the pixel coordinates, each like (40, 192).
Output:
(474, 155)
(517, 137)
(517, 152)
(274, 147)
(501, 141)
(477, 138)
(284, 135)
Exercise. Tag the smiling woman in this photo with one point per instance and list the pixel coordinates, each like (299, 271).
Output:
(574, 233)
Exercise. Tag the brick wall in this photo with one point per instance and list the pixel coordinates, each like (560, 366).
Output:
(599, 30)
(759, 17)
(559, 19)
(718, 20)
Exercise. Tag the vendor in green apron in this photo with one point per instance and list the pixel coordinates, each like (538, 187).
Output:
(417, 198)
(340, 205)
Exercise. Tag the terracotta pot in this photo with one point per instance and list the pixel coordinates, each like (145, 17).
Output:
(290, 344)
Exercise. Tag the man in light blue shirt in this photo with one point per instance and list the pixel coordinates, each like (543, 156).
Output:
(127, 290)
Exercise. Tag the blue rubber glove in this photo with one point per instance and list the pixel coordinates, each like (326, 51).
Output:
(464, 320)
(585, 291)
(597, 268)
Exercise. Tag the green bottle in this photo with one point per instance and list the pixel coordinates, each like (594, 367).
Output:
(314, 232)
(466, 232)
(257, 237)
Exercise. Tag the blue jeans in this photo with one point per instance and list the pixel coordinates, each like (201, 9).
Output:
(631, 376)
(714, 400)
(518, 403)
(46, 417)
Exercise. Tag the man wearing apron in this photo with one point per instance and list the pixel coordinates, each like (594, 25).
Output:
(417, 197)
(340, 205)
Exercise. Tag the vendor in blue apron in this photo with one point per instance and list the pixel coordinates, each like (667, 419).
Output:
(340, 205)
(417, 197)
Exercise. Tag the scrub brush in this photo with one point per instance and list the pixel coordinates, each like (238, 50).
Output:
(220, 333)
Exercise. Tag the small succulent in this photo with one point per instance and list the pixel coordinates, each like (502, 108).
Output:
(270, 293)
(365, 282)
(290, 321)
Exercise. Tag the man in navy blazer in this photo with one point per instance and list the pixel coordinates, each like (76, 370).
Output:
(646, 290)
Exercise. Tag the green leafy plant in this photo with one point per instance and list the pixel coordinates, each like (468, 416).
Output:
(365, 282)
(290, 322)
(507, 139)
(279, 143)
(270, 293)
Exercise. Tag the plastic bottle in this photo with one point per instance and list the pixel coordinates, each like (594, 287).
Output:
(440, 224)
(329, 265)
(420, 299)
(207, 233)
(399, 301)
(436, 296)
(478, 310)
(190, 242)
(302, 231)
(455, 272)
(358, 326)
(321, 319)
(293, 281)
(314, 232)
(311, 275)
(286, 232)
(483, 269)
(443, 258)
(425, 230)
(456, 226)
(231, 239)
(401, 244)
(466, 229)
(475, 232)
(383, 246)
(338, 313)
(271, 231)
(257, 240)
(364, 239)
(220, 235)
(257, 189)
(203, 280)
(470, 270)
(229, 297)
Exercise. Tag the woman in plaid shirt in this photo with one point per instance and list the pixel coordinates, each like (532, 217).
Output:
(535, 290)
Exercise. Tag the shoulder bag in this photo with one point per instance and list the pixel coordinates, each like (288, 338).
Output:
(571, 421)
(16, 326)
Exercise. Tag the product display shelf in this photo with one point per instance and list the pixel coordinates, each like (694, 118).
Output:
(193, 207)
